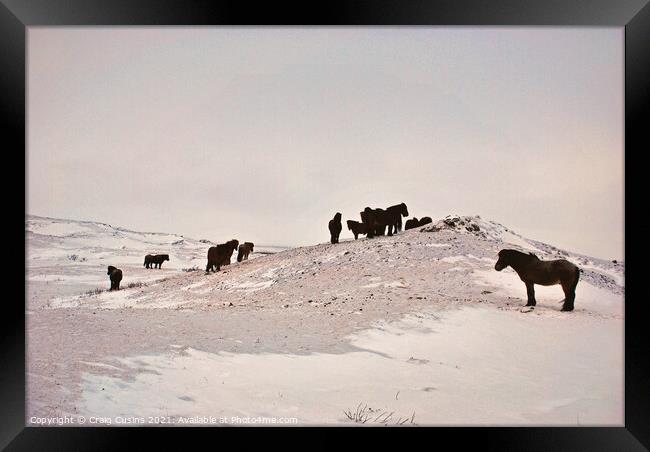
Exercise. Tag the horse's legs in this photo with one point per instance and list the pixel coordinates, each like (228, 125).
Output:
(569, 296)
(530, 291)
(569, 287)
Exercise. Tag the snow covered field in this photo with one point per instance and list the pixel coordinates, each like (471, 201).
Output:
(416, 329)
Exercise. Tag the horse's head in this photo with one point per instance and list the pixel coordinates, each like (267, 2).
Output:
(367, 215)
(234, 243)
(111, 269)
(337, 217)
(503, 260)
(404, 210)
(166, 257)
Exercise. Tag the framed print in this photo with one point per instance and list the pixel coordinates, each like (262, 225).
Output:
(359, 214)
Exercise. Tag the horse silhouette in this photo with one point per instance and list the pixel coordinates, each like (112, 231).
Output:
(220, 255)
(335, 228)
(244, 250)
(357, 228)
(532, 270)
(151, 260)
(394, 216)
(412, 223)
(115, 275)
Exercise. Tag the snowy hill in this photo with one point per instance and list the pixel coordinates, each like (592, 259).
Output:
(600, 272)
(418, 324)
(433, 261)
(69, 251)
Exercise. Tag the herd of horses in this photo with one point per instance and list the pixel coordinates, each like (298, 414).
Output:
(220, 255)
(217, 256)
(377, 222)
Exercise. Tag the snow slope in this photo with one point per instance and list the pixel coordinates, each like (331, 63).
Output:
(419, 325)
(456, 370)
(77, 252)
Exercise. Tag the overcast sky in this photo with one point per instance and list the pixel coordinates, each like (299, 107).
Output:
(263, 134)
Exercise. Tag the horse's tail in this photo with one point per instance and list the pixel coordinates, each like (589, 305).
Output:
(575, 284)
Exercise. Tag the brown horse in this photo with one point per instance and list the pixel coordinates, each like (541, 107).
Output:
(412, 223)
(151, 260)
(394, 216)
(244, 250)
(220, 255)
(335, 228)
(532, 270)
(357, 228)
(375, 220)
(115, 275)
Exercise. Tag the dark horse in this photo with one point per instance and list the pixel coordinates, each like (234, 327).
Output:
(394, 216)
(374, 221)
(220, 255)
(151, 260)
(412, 223)
(532, 270)
(244, 250)
(335, 228)
(115, 275)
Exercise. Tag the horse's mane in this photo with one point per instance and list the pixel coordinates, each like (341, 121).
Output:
(516, 254)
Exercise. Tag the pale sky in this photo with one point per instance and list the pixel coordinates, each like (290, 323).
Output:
(263, 134)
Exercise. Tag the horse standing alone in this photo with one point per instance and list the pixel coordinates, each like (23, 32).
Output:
(532, 270)
(151, 260)
(115, 275)
(335, 228)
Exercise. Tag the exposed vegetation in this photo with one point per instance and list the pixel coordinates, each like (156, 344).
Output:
(364, 414)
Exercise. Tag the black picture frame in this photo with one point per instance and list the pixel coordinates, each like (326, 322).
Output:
(633, 15)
